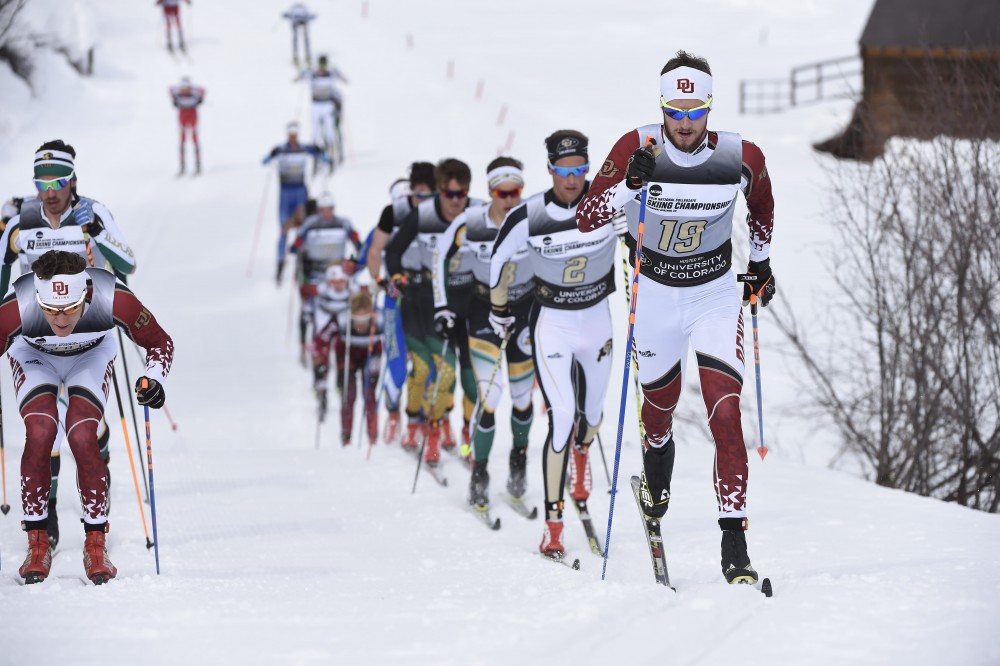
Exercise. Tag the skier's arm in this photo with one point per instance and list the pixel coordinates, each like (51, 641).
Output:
(11, 249)
(10, 321)
(379, 239)
(314, 150)
(447, 245)
(512, 236)
(142, 328)
(608, 192)
(274, 153)
(111, 241)
(756, 184)
(397, 246)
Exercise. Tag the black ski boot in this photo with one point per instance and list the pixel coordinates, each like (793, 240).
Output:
(52, 526)
(658, 469)
(479, 485)
(735, 560)
(517, 483)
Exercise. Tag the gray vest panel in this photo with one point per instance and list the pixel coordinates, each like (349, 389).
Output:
(96, 321)
(480, 237)
(687, 237)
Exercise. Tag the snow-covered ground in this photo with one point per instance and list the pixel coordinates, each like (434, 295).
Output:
(275, 553)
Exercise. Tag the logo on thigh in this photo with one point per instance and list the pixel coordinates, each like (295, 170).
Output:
(19, 377)
(524, 342)
(105, 387)
(605, 350)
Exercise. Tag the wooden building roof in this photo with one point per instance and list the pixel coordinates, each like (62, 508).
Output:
(948, 27)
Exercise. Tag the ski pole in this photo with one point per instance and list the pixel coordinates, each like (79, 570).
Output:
(170, 419)
(260, 221)
(635, 375)
(135, 421)
(434, 396)
(467, 448)
(761, 450)
(131, 460)
(366, 376)
(346, 408)
(5, 508)
(628, 360)
(152, 492)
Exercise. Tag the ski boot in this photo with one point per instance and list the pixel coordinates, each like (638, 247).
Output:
(479, 485)
(391, 432)
(39, 559)
(447, 437)
(580, 481)
(735, 560)
(551, 545)
(658, 468)
(414, 432)
(95, 555)
(432, 452)
(517, 482)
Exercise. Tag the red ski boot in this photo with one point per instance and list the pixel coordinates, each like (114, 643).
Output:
(551, 545)
(95, 558)
(414, 431)
(447, 437)
(432, 453)
(39, 560)
(391, 432)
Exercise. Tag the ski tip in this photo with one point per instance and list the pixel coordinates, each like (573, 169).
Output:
(762, 451)
(765, 587)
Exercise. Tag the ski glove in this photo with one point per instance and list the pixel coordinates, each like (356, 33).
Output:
(83, 213)
(759, 281)
(444, 322)
(149, 392)
(395, 285)
(501, 319)
(640, 167)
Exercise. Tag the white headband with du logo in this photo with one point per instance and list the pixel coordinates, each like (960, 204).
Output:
(686, 83)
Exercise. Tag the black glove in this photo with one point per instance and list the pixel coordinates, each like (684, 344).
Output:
(444, 322)
(759, 281)
(640, 167)
(150, 393)
(94, 227)
(275, 152)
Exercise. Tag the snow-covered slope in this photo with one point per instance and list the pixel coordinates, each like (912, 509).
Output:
(275, 553)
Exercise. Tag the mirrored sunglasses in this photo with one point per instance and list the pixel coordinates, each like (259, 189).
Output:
(66, 310)
(422, 195)
(679, 114)
(454, 194)
(569, 171)
(506, 194)
(56, 184)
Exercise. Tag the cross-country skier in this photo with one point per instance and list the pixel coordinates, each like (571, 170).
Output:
(570, 323)
(425, 225)
(187, 98)
(172, 14)
(327, 104)
(363, 357)
(60, 218)
(687, 294)
(402, 297)
(321, 242)
(55, 325)
(299, 16)
(292, 158)
(332, 299)
(476, 230)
